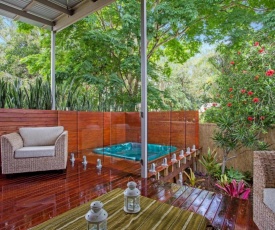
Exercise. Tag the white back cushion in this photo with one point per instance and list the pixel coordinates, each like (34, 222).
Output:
(40, 136)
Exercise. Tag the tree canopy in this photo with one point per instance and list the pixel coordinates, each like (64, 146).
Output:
(100, 55)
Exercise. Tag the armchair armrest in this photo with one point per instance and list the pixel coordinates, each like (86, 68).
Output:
(10, 143)
(61, 145)
(264, 169)
(263, 177)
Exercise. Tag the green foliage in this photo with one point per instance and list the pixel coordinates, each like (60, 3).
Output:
(103, 50)
(3, 93)
(248, 177)
(234, 174)
(16, 94)
(193, 181)
(210, 163)
(245, 93)
(224, 180)
(38, 95)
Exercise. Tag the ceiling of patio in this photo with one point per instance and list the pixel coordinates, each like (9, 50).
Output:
(50, 14)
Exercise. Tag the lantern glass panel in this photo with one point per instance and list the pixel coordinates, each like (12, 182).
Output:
(137, 202)
(130, 203)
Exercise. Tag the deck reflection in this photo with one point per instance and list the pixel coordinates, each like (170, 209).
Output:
(32, 198)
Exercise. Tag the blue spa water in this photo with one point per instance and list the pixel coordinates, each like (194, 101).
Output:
(132, 151)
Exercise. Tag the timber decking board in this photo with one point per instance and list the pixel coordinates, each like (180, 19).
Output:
(198, 201)
(212, 210)
(53, 193)
(191, 199)
(221, 212)
(231, 214)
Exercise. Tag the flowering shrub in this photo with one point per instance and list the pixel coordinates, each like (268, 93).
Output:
(245, 92)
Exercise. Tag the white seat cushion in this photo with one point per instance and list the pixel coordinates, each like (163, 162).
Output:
(36, 151)
(269, 198)
(40, 136)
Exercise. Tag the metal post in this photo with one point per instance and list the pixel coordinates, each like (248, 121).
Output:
(143, 90)
(53, 33)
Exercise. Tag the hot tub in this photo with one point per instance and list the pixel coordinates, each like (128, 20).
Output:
(132, 151)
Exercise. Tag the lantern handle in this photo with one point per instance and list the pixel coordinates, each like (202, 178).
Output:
(130, 177)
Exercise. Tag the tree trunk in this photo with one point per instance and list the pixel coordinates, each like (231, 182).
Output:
(225, 153)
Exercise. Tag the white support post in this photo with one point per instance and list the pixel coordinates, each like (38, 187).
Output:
(143, 89)
(53, 68)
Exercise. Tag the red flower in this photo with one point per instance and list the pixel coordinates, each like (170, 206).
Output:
(250, 93)
(262, 117)
(256, 43)
(256, 100)
(243, 91)
(230, 89)
(229, 104)
(250, 118)
(214, 104)
(232, 63)
(261, 50)
(269, 72)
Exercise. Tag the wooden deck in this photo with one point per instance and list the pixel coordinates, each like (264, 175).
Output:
(30, 199)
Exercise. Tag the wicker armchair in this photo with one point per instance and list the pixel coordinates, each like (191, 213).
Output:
(264, 177)
(33, 157)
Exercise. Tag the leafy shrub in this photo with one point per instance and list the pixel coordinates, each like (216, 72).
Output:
(210, 163)
(193, 181)
(234, 174)
(3, 93)
(16, 94)
(245, 92)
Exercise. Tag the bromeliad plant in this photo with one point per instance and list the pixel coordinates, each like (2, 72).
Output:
(234, 188)
(193, 181)
(209, 161)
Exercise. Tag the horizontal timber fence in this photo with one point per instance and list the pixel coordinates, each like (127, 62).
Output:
(88, 130)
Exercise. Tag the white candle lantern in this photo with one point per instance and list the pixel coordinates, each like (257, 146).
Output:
(193, 147)
(96, 217)
(181, 153)
(132, 198)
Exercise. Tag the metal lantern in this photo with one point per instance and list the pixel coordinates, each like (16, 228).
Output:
(96, 217)
(132, 198)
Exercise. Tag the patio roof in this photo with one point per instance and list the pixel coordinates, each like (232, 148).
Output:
(50, 14)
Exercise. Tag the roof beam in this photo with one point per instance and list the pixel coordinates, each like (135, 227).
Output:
(86, 8)
(26, 15)
(55, 7)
